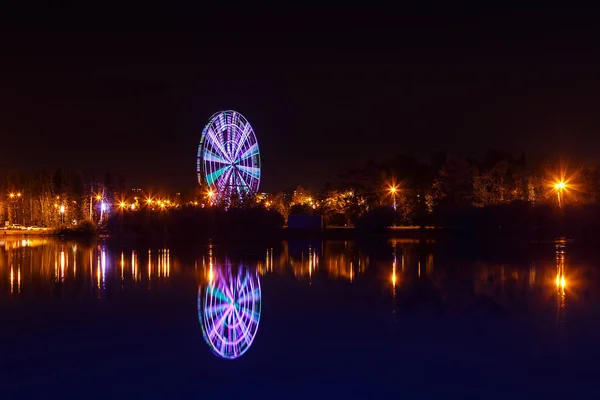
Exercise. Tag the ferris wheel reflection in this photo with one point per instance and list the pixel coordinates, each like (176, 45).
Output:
(229, 308)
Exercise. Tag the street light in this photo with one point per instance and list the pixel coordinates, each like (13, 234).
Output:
(16, 212)
(62, 214)
(559, 187)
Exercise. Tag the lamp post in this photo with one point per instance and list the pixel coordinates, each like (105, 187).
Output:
(10, 208)
(62, 214)
(393, 190)
(20, 207)
(559, 187)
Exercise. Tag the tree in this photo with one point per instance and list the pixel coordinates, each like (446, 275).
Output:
(454, 183)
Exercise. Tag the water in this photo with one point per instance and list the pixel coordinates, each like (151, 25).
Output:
(415, 319)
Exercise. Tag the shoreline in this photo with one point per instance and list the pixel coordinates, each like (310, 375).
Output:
(24, 232)
(334, 233)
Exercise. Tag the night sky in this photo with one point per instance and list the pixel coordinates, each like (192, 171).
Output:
(323, 89)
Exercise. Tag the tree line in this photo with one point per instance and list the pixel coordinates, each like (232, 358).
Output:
(446, 184)
(55, 198)
(421, 190)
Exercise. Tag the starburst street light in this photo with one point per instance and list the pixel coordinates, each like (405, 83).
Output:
(564, 184)
(210, 194)
(560, 187)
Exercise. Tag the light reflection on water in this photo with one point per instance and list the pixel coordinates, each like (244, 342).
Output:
(533, 318)
(36, 267)
(26, 266)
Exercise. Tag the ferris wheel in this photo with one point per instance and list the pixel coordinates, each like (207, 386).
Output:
(229, 311)
(228, 156)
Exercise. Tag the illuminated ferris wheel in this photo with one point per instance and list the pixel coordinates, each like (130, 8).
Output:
(228, 157)
(229, 311)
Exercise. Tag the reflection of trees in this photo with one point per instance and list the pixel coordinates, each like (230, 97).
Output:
(337, 259)
(46, 267)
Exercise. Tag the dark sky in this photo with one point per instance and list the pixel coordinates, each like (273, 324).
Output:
(324, 89)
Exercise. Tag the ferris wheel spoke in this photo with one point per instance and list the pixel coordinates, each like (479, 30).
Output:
(210, 311)
(240, 314)
(217, 293)
(212, 157)
(250, 297)
(251, 151)
(237, 182)
(216, 142)
(252, 171)
(242, 282)
(245, 134)
(224, 181)
(213, 176)
(243, 181)
(219, 324)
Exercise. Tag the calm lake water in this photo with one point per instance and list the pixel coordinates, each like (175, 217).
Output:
(408, 318)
